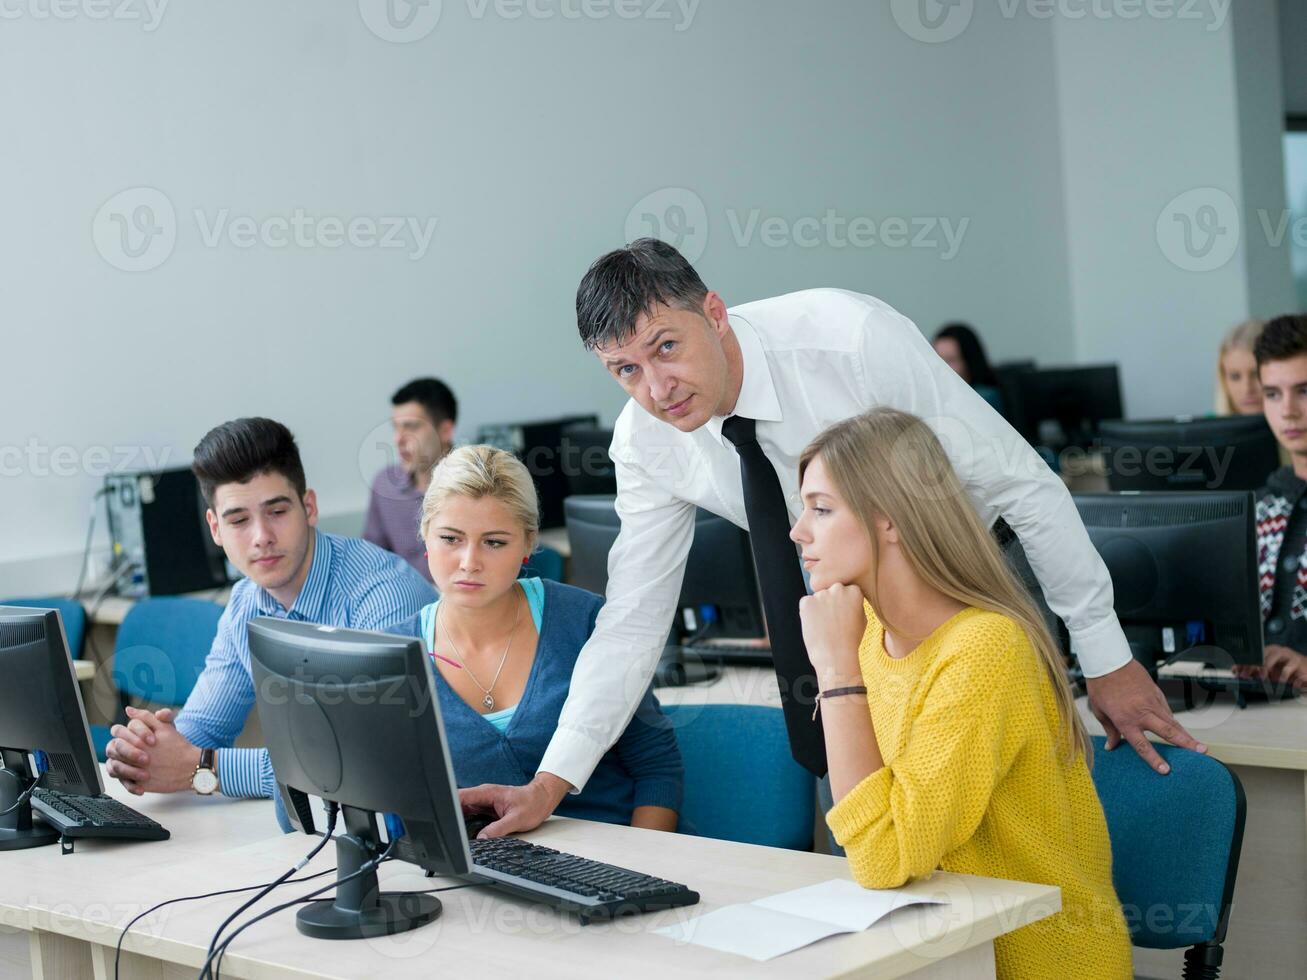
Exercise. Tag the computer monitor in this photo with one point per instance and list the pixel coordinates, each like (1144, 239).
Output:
(1061, 407)
(719, 594)
(539, 445)
(353, 717)
(587, 466)
(1184, 573)
(1234, 452)
(41, 711)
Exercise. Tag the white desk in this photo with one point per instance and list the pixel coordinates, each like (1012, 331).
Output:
(73, 907)
(1266, 746)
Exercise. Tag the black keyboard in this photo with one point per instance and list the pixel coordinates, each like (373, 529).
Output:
(94, 816)
(592, 889)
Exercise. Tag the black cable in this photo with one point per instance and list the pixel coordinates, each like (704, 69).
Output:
(117, 953)
(86, 550)
(333, 809)
(23, 797)
(217, 968)
(366, 868)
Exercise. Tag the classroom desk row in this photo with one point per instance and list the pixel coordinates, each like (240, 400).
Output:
(1266, 746)
(61, 915)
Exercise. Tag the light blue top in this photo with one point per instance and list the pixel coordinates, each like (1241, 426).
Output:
(535, 600)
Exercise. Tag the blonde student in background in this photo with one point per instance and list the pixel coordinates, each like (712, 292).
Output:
(950, 731)
(1238, 392)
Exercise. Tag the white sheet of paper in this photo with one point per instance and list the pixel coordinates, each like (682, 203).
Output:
(778, 924)
(842, 902)
(748, 930)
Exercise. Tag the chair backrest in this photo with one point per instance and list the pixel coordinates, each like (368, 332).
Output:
(161, 647)
(741, 782)
(546, 562)
(70, 611)
(1175, 843)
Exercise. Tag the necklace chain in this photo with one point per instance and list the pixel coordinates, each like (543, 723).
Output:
(489, 699)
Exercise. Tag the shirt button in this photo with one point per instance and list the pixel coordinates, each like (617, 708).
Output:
(1275, 625)
(1290, 564)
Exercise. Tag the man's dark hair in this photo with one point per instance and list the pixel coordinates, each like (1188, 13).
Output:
(433, 395)
(1283, 338)
(624, 284)
(238, 451)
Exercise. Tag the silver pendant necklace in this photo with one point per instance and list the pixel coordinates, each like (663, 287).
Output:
(489, 699)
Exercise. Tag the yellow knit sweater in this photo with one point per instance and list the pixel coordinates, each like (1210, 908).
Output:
(973, 783)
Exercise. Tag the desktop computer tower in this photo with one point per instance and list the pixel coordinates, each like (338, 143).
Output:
(161, 542)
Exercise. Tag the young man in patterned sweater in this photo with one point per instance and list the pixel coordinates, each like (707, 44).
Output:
(1281, 354)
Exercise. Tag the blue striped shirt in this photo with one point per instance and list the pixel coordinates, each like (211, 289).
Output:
(350, 583)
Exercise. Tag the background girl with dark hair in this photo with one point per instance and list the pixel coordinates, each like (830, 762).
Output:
(960, 347)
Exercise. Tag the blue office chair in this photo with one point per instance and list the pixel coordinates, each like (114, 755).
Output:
(70, 611)
(1175, 849)
(160, 651)
(741, 782)
(544, 563)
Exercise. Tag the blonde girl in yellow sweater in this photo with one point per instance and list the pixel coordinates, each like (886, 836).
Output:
(964, 752)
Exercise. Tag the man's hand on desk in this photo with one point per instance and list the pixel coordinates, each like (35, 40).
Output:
(1127, 703)
(1279, 665)
(149, 755)
(517, 808)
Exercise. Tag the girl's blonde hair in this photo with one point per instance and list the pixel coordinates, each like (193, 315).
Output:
(483, 471)
(1242, 338)
(889, 464)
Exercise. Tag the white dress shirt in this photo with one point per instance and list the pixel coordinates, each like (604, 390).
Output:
(811, 359)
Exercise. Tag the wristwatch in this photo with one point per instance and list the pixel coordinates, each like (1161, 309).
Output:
(205, 779)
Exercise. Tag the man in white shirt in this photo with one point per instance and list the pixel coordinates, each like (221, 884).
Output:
(794, 364)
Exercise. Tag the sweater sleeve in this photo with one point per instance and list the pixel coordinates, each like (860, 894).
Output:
(649, 753)
(900, 822)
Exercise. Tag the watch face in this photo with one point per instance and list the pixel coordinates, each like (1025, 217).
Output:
(204, 781)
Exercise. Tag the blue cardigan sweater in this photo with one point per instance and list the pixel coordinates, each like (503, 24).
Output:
(644, 767)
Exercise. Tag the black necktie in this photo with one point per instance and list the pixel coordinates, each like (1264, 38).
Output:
(782, 587)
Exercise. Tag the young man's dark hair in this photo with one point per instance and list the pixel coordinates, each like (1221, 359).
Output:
(433, 395)
(1283, 338)
(238, 451)
(624, 284)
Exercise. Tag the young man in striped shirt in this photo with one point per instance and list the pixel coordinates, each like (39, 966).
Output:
(264, 517)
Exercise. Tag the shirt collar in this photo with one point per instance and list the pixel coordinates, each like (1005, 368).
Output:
(309, 603)
(757, 399)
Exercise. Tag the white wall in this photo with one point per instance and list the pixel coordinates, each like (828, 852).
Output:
(529, 141)
(1155, 148)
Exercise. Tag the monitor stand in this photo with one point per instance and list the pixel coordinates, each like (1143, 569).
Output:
(18, 829)
(359, 910)
(676, 670)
